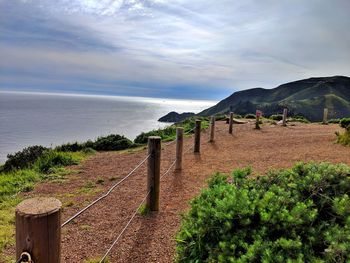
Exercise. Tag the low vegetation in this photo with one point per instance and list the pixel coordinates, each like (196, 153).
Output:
(19, 174)
(169, 133)
(112, 142)
(296, 215)
(344, 138)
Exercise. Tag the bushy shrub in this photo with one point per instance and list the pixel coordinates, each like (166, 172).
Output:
(344, 123)
(336, 121)
(166, 134)
(250, 116)
(221, 117)
(276, 117)
(169, 132)
(112, 142)
(71, 147)
(53, 159)
(24, 159)
(299, 118)
(297, 215)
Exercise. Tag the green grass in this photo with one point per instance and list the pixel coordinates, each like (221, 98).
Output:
(48, 167)
(343, 138)
(169, 133)
(96, 260)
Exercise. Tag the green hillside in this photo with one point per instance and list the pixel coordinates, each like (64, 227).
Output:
(306, 97)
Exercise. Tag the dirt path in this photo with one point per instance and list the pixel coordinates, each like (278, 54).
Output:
(151, 238)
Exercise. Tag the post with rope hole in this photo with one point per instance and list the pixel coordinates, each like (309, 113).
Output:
(197, 136)
(38, 230)
(284, 120)
(325, 116)
(212, 129)
(230, 123)
(179, 147)
(154, 150)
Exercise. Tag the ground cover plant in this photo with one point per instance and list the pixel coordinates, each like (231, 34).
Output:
(344, 138)
(169, 133)
(294, 215)
(21, 176)
(112, 142)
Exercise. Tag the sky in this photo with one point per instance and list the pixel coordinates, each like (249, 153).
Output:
(170, 48)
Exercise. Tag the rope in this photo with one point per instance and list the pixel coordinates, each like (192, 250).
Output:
(173, 141)
(105, 195)
(126, 226)
(133, 216)
(171, 166)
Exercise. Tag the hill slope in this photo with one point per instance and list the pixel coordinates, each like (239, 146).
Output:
(306, 97)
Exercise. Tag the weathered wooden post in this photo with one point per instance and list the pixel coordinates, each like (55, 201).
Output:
(230, 123)
(38, 229)
(154, 150)
(325, 116)
(258, 114)
(179, 147)
(284, 120)
(212, 129)
(197, 136)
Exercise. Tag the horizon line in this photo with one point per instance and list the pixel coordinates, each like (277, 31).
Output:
(148, 99)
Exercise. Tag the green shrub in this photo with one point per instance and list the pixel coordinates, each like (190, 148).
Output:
(345, 122)
(166, 134)
(54, 159)
(296, 215)
(24, 159)
(71, 147)
(299, 118)
(169, 132)
(336, 121)
(250, 116)
(112, 142)
(221, 117)
(276, 117)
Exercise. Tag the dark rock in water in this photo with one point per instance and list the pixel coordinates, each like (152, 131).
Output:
(176, 117)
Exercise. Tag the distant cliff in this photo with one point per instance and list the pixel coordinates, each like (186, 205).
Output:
(306, 97)
(176, 117)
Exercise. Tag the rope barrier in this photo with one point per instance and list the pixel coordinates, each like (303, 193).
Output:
(171, 166)
(134, 214)
(105, 195)
(125, 227)
(173, 141)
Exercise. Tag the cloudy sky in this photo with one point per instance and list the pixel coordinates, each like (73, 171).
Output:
(170, 48)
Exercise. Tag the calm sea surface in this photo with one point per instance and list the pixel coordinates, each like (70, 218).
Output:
(52, 119)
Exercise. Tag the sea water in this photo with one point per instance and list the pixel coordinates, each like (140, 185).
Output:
(52, 119)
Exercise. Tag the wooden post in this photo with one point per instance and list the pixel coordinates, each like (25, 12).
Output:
(325, 116)
(197, 137)
(179, 147)
(212, 129)
(230, 123)
(285, 112)
(38, 229)
(154, 150)
(257, 122)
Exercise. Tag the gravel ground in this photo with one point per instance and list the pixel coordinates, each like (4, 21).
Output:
(151, 238)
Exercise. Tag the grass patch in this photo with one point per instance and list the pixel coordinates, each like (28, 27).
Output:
(48, 166)
(344, 138)
(97, 260)
(143, 210)
(169, 133)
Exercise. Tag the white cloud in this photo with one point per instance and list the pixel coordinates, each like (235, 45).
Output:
(208, 44)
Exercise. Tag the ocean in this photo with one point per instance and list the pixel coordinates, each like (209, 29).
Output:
(52, 119)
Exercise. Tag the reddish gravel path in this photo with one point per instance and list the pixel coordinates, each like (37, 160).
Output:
(151, 238)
